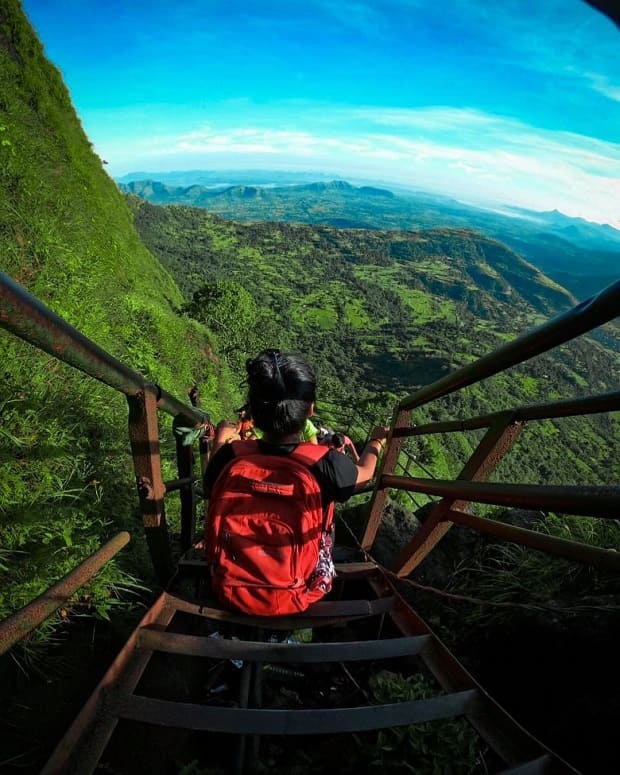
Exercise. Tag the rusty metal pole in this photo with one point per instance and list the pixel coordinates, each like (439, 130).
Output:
(144, 438)
(187, 494)
(485, 458)
(388, 465)
(205, 442)
(22, 623)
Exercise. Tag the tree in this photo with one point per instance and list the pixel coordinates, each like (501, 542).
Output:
(230, 311)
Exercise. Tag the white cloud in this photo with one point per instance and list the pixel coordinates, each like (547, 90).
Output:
(602, 84)
(455, 152)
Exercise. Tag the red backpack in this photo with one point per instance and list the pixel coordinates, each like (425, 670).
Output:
(264, 530)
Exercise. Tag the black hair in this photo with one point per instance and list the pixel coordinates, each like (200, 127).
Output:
(281, 388)
(337, 440)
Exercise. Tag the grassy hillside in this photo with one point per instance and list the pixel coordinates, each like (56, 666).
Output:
(383, 312)
(564, 248)
(379, 312)
(66, 234)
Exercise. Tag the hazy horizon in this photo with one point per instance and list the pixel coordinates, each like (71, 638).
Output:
(243, 177)
(514, 105)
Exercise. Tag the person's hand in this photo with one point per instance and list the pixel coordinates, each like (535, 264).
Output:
(225, 431)
(379, 433)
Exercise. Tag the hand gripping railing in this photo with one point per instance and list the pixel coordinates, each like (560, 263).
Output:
(28, 318)
(502, 430)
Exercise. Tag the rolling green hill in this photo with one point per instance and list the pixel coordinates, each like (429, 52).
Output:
(570, 250)
(384, 312)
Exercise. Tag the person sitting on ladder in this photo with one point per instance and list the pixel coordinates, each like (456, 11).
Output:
(245, 481)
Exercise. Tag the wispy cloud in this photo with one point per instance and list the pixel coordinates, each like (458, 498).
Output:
(507, 102)
(484, 157)
(603, 85)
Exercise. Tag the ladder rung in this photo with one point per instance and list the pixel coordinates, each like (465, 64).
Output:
(317, 615)
(351, 569)
(537, 766)
(345, 569)
(200, 646)
(293, 722)
(193, 563)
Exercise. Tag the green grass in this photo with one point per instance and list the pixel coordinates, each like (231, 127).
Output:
(66, 476)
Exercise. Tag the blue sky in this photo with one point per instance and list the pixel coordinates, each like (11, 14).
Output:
(507, 102)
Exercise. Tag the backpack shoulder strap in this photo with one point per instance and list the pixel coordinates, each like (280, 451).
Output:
(308, 453)
(245, 447)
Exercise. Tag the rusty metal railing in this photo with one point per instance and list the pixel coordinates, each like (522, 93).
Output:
(24, 621)
(28, 318)
(502, 429)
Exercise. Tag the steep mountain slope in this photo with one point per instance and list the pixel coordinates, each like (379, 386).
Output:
(67, 235)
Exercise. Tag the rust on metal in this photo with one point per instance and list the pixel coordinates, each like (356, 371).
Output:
(485, 458)
(79, 751)
(187, 494)
(387, 466)
(584, 501)
(24, 621)
(144, 438)
(560, 547)
(115, 699)
(604, 402)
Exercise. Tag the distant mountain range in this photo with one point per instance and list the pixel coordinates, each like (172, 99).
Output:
(582, 256)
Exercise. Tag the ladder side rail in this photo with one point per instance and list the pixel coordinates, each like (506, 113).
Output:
(435, 526)
(20, 624)
(577, 500)
(187, 493)
(584, 317)
(144, 439)
(559, 547)
(29, 319)
(387, 465)
(572, 407)
(186, 459)
(493, 446)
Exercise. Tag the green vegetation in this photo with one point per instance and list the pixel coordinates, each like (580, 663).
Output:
(183, 296)
(66, 234)
(580, 256)
(449, 747)
(386, 312)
